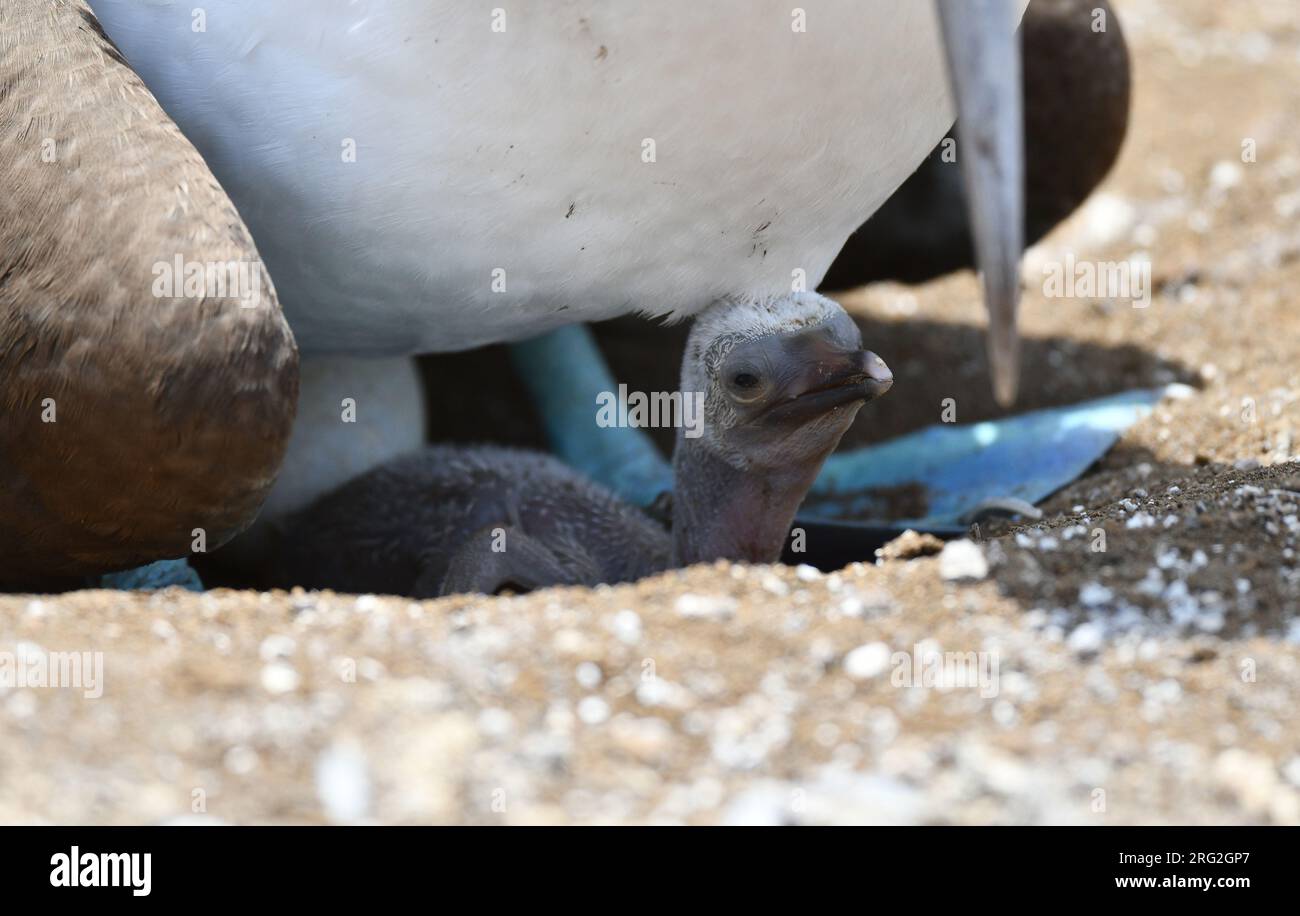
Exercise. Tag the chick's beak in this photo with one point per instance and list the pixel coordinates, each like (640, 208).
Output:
(825, 373)
(879, 378)
(848, 374)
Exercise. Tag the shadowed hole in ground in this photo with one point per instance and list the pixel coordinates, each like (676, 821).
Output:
(477, 397)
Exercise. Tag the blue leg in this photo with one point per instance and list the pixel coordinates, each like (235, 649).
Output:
(564, 372)
(162, 574)
(1027, 457)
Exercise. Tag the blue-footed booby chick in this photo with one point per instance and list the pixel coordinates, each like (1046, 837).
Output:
(451, 519)
(780, 380)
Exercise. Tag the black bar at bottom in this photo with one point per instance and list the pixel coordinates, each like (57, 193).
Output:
(304, 864)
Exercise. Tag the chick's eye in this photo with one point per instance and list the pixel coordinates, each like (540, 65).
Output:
(745, 380)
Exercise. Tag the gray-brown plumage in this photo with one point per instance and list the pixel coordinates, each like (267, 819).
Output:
(453, 519)
(170, 414)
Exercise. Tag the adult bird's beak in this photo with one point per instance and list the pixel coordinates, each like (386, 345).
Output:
(984, 68)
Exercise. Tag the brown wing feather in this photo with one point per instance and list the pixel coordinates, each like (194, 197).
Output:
(171, 413)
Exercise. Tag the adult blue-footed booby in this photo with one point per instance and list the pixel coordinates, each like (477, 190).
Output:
(427, 176)
(432, 176)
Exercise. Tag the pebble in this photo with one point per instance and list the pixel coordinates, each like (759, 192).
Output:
(656, 691)
(1107, 218)
(593, 710)
(1292, 771)
(275, 647)
(1086, 639)
(1225, 175)
(343, 784)
(495, 722)
(280, 678)
(21, 705)
(588, 675)
(1094, 594)
(807, 573)
(705, 607)
(962, 560)
(852, 606)
(1249, 776)
(646, 737)
(626, 625)
(240, 760)
(772, 583)
(908, 545)
(867, 661)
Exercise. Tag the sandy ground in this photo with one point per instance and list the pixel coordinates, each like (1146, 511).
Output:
(1133, 658)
